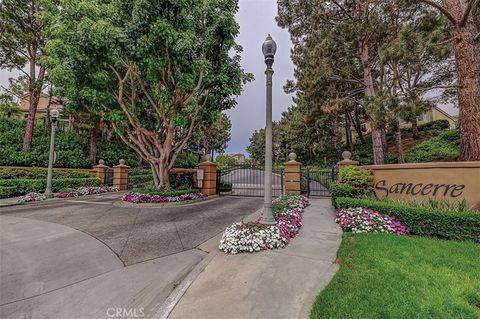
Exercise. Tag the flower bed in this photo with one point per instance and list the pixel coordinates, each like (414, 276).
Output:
(138, 198)
(81, 191)
(250, 237)
(364, 220)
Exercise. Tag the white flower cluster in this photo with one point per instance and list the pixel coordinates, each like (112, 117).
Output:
(32, 197)
(251, 237)
(242, 237)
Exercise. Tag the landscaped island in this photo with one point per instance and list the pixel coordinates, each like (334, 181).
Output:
(253, 236)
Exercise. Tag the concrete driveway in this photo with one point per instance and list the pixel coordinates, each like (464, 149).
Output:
(88, 257)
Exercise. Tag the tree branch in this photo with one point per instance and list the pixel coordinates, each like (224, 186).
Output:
(470, 6)
(441, 9)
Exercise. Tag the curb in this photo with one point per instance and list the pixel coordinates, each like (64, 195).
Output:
(179, 291)
(176, 295)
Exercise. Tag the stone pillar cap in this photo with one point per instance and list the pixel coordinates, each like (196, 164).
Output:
(292, 159)
(121, 163)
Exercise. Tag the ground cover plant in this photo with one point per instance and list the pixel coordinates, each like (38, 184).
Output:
(444, 147)
(423, 221)
(253, 236)
(81, 191)
(386, 276)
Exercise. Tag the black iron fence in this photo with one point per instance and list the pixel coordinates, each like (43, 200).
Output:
(108, 176)
(247, 180)
(315, 181)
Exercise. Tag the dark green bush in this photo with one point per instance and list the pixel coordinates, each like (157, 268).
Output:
(24, 186)
(182, 181)
(41, 172)
(423, 221)
(7, 191)
(72, 148)
(342, 190)
(444, 147)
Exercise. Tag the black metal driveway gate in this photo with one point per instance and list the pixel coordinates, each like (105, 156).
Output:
(247, 180)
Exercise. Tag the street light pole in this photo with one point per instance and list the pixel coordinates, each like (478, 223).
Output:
(269, 48)
(54, 116)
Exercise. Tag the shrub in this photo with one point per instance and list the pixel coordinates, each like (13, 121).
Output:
(338, 189)
(25, 186)
(423, 221)
(353, 182)
(7, 191)
(40, 172)
(72, 148)
(444, 147)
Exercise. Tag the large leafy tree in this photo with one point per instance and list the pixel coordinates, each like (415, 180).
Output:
(365, 57)
(155, 68)
(21, 48)
(213, 135)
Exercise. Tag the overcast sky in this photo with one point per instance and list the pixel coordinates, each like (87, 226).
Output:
(256, 19)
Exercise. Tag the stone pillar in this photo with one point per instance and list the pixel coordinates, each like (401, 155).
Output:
(292, 175)
(100, 171)
(209, 183)
(345, 162)
(120, 175)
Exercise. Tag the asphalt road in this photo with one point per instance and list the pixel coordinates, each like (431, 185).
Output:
(77, 258)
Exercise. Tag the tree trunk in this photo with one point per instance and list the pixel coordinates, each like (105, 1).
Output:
(161, 175)
(398, 143)
(377, 144)
(348, 131)
(93, 146)
(415, 129)
(35, 89)
(32, 110)
(336, 136)
(358, 127)
(467, 55)
(384, 140)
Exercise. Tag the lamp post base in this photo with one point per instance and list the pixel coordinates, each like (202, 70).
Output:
(48, 194)
(267, 216)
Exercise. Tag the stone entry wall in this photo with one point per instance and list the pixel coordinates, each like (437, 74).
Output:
(450, 181)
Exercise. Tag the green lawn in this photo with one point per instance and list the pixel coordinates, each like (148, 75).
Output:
(386, 276)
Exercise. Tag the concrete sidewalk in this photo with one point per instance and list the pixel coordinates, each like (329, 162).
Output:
(271, 284)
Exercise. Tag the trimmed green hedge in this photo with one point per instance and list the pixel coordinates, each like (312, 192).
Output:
(24, 186)
(423, 221)
(7, 191)
(41, 172)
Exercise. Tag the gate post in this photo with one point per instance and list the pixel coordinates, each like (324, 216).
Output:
(100, 171)
(345, 162)
(209, 184)
(292, 175)
(120, 175)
